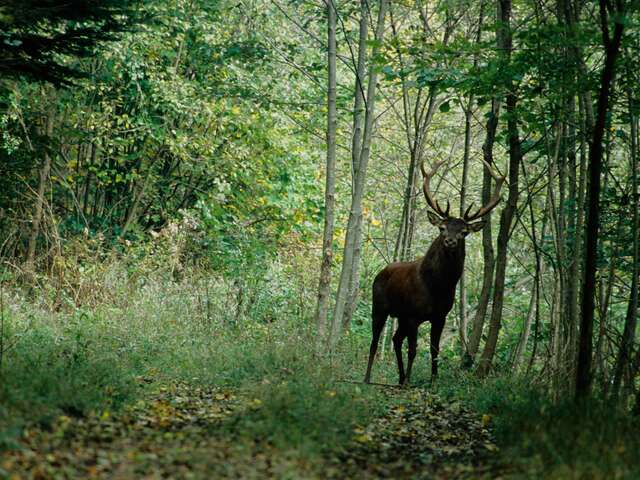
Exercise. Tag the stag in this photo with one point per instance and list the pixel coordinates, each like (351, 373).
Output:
(424, 290)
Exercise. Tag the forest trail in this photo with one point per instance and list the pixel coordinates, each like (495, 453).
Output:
(185, 431)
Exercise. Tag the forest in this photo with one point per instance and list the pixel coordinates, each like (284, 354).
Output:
(222, 223)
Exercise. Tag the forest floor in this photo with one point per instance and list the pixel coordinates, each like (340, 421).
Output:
(183, 430)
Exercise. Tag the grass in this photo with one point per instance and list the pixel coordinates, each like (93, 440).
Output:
(551, 439)
(79, 361)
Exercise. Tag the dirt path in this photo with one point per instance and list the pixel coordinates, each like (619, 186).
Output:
(178, 433)
(423, 438)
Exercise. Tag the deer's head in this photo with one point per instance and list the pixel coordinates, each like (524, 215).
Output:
(452, 229)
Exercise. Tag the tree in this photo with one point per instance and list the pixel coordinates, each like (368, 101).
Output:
(324, 287)
(363, 116)
(36, 35)
(611, 44)
(505, 44)
(631, 318)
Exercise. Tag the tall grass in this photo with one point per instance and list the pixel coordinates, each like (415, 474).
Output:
(551, 438)
(86, 358)
(82, 342)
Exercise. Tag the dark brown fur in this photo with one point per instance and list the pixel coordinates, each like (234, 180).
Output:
(424, 290)
(420, 291)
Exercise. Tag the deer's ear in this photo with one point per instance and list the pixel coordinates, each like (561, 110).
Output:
(476, 226)
(434, 219)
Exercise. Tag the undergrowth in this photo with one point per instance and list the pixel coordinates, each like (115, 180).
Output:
(75, 358)
(546, 438)
(81, 360)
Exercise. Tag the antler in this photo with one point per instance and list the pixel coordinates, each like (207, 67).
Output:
(493, 201)
(427, 191)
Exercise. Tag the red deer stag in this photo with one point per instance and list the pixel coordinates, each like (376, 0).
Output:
(424, 290)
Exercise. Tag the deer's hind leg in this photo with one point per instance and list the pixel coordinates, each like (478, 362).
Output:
(378, 320)
(398, 339)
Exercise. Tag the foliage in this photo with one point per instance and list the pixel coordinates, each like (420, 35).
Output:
(546, 438)
(38, 34)
(178, 187)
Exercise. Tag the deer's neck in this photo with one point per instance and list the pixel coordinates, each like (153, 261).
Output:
(443, 266)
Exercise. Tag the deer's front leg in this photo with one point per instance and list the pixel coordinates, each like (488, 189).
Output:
(436, 332)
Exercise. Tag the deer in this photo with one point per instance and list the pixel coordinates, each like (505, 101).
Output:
(424, 290)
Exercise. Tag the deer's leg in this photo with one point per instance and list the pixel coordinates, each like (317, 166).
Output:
(398, 339)
(436, 332)
(377, 325)
(412, 336)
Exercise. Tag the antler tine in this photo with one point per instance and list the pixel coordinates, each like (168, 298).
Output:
(427, 190)
(491, 171)
(493, 201)
(466, 212)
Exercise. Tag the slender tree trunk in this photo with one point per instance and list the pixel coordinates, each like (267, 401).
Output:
(557, 205)
(487, 242)
(575, 269)
(43, 178)
(462, 303)
(324, 284)
(468, 115)
(612, 48)
(507, 215)
(506, 219)
(344, 285)
(631, 318)
(571, 11)
(534, 302)
(354, 277)
(346, 296)
(526, 328)
(603, 308)
(89, 177)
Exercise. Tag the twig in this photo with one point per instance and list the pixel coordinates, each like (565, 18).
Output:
(375, 384)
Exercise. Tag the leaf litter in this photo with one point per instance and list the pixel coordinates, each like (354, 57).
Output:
(176, 431)
(421, 437)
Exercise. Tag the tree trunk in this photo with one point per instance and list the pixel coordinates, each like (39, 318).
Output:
(631, 318)
(575, 270)
(324, 284)
(526, 328)
(462, 302)
(612, 47)
(534, 307)
(345, 298)
(571, 18)
(487, 242)
(506, 219)
(507, 215)
(43, 178)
